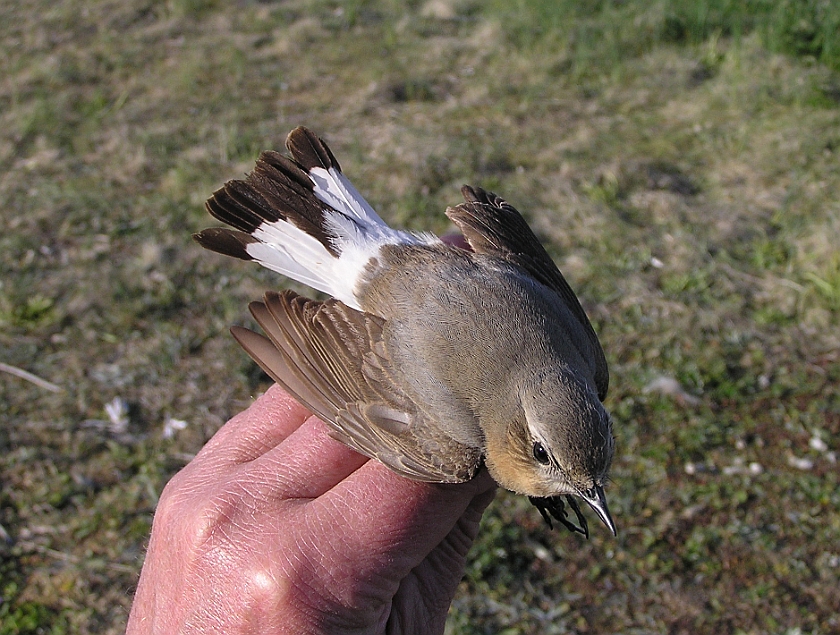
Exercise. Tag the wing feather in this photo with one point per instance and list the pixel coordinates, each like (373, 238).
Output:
(492, 226)
(330, 357)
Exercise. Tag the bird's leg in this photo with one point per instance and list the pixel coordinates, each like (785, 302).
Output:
(581, 518)
(540, 503)
(554, 507)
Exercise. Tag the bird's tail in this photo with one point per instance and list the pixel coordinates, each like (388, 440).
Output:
(302, 217)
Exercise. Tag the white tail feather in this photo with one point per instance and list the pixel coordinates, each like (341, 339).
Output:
(336, 190)
(356, 231)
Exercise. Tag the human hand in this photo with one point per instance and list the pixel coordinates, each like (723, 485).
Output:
(276, 528)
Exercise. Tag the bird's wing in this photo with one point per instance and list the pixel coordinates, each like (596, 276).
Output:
(493, 226)
(332, 359)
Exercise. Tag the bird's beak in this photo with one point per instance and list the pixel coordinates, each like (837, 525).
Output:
(597, 501)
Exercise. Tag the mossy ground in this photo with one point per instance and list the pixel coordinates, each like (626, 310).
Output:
(679, 161)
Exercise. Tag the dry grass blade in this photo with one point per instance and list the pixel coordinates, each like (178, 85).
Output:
(34, 379)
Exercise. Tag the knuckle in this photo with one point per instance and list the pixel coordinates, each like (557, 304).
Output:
(209, 519)
(264, 587)
(196, 514)
(170, 503)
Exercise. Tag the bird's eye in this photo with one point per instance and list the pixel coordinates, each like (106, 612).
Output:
(540, 453)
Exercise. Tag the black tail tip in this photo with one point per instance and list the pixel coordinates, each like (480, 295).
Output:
(228, 242)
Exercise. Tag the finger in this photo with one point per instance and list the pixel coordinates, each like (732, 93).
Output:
(435, 579)
(253, 432)
(393, 521)
(306, 464)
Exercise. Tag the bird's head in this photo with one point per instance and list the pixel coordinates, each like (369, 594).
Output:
(558, 443)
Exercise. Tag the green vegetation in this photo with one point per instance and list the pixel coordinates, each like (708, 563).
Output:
(680, 161)
(600, 33)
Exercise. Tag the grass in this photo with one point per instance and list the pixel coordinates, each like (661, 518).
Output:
(678, 159)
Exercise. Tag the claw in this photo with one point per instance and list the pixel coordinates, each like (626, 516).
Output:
(554, 507)
(581, 518)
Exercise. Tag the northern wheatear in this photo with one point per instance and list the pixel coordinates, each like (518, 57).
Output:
(432, 359)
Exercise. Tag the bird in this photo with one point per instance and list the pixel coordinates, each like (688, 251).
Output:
(433, 359)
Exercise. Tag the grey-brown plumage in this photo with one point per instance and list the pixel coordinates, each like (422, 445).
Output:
(429, 358)
(333, 360)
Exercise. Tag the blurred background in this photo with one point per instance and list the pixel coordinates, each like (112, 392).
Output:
(678, 159)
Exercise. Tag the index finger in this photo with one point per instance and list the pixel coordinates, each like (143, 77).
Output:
(262, 426)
